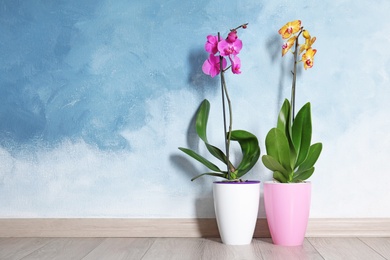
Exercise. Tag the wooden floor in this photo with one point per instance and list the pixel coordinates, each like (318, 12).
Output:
(190, 248)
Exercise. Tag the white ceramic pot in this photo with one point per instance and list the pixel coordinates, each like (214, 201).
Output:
(236, 208)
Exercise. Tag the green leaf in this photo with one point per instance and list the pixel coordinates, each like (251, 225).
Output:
(301, 133)
(202, 118)
(201, 159)
(304, 175)
(277, 146)
(279, 177)
(201, 129)
(250, 150)
(284, 124)
(312, 157)
(284, 120)
(216, 152)
(272, 164)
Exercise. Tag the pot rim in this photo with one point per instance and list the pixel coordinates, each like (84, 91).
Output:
(237, 182)
(280, 183)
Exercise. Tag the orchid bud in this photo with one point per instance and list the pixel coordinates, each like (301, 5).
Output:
(306, 34)
(232, 37)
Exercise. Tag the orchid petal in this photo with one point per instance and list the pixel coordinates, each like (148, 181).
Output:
(211, 45)
(308, 58)
(287, 45)
(308, 43)
(225, 48)
(236, 64)
(212, 65)
(290, 28)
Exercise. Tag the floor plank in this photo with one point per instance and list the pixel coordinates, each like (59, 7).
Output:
(65, 248)
(189, 248)
(215, 249)
(121, 249)
(380, 245)
(270, 251)
(344, 248)
(17, 248)
(175, 248)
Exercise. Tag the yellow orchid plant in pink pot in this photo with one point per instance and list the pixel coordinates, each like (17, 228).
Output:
(290, 154)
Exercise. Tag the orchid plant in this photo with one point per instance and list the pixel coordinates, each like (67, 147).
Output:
(290, 154)
(220, 51)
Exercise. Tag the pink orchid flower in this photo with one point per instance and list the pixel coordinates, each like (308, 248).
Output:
(236, 64)
(211, 45)
(227, 48)
(212, 65)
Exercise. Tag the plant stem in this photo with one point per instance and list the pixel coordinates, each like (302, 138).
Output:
(223, 90)
(227, 133)
(238, 27)
(294, 78)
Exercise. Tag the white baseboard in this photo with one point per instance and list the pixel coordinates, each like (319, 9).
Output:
(118, 227)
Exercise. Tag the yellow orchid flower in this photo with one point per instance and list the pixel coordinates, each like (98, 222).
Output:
(290, 28)
(308, 41)
(308, 58)
(288, 44)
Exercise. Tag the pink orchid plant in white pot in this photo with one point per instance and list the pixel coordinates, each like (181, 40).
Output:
(236, 201)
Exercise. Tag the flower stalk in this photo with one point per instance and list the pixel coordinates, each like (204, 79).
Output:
(294, 77)
(227, 132)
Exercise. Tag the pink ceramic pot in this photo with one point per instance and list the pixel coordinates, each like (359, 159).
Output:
(287, 206)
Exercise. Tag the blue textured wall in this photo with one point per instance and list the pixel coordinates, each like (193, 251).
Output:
(96, 96)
